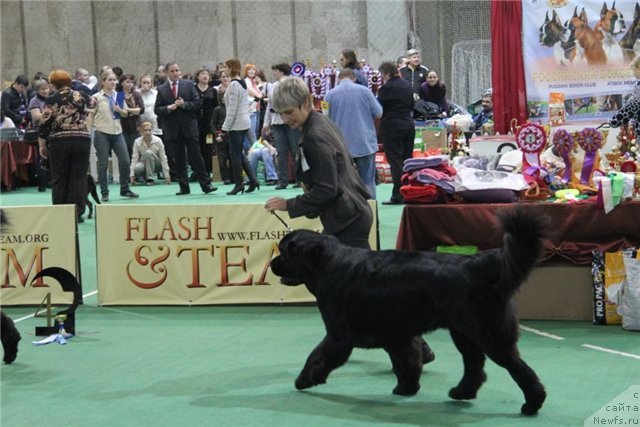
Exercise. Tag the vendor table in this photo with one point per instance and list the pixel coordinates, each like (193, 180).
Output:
(14, 158)
(577, 228)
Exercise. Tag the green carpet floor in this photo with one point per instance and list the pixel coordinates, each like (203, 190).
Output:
(235, 365)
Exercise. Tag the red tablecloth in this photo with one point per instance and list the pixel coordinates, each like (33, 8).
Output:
(578, 228)
(14, 156)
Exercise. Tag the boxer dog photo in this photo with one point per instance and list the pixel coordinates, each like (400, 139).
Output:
(387, 299)
(611, 24)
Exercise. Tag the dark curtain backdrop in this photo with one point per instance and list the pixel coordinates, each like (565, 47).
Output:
(509, 91)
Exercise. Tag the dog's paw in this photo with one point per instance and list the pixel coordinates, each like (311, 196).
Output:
(462, 393)
(532, 405)
(406, 390)
(10, 346)
(303, 382)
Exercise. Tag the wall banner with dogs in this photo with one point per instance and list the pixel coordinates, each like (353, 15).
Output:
(194, 254)
(36, 238)
(582, 49)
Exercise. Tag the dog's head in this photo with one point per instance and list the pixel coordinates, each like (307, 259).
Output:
(633, 33)
(302, 253)
(552, 31)
(579, 24)
(611, 20)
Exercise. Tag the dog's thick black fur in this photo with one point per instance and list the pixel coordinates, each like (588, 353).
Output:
(386, 299)
(9, 334)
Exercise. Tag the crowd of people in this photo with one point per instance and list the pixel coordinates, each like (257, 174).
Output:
(170, 126)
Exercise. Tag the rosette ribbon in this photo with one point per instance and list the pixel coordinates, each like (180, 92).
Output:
(298, 69)
(590, 140)
(318, 85)
(563, 142)
(531, 139)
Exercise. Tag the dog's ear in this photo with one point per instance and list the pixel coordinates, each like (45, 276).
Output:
(546, 16)
(583, 17)
(604, 10)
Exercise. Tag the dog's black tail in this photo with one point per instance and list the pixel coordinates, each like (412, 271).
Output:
(524, 232)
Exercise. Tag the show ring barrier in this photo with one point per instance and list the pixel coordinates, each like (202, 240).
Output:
(194, 254)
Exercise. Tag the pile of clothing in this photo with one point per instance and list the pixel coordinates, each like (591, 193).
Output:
(428, 179)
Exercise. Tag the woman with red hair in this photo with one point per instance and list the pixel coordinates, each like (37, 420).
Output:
(255, 95)
(65, 140)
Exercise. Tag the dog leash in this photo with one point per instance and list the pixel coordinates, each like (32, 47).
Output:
(282, 221)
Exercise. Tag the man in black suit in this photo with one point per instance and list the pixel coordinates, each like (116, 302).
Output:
(177, 104)
(397, 129)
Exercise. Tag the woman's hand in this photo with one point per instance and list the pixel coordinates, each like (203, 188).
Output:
(276, 204)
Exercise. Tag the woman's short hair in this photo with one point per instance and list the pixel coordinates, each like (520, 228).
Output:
(196, 76)
(247, 67)
(39, 84)
(60, 79)
(389, 68)
(234, 66)
(290, 92)
(124, 77)
(636, 62)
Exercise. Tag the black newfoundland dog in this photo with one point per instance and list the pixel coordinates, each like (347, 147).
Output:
(386, 299)
(9, 334)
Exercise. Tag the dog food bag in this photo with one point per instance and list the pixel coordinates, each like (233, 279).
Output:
(629, 297)
(608, 272)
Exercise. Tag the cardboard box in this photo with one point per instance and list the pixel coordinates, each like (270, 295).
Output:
(434, 138)
(557, 292)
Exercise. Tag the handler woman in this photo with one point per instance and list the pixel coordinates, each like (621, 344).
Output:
(333, 189)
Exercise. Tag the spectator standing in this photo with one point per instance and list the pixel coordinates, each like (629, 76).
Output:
(149, 157)
(160, 77)
(349, 60)
(397, 128)
(285, 138)
(148, 94)
(209, 101)
(237, 124)
(105, 116)
(82, 82)
(36, 108)
(631, 108)
(414, 72)
(255, 95)
(353, 108)
(135, 107)
(178, 104)
(65, 140)
(14, 102)
(222, 138)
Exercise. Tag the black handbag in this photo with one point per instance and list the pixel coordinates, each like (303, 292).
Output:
(31, 135)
